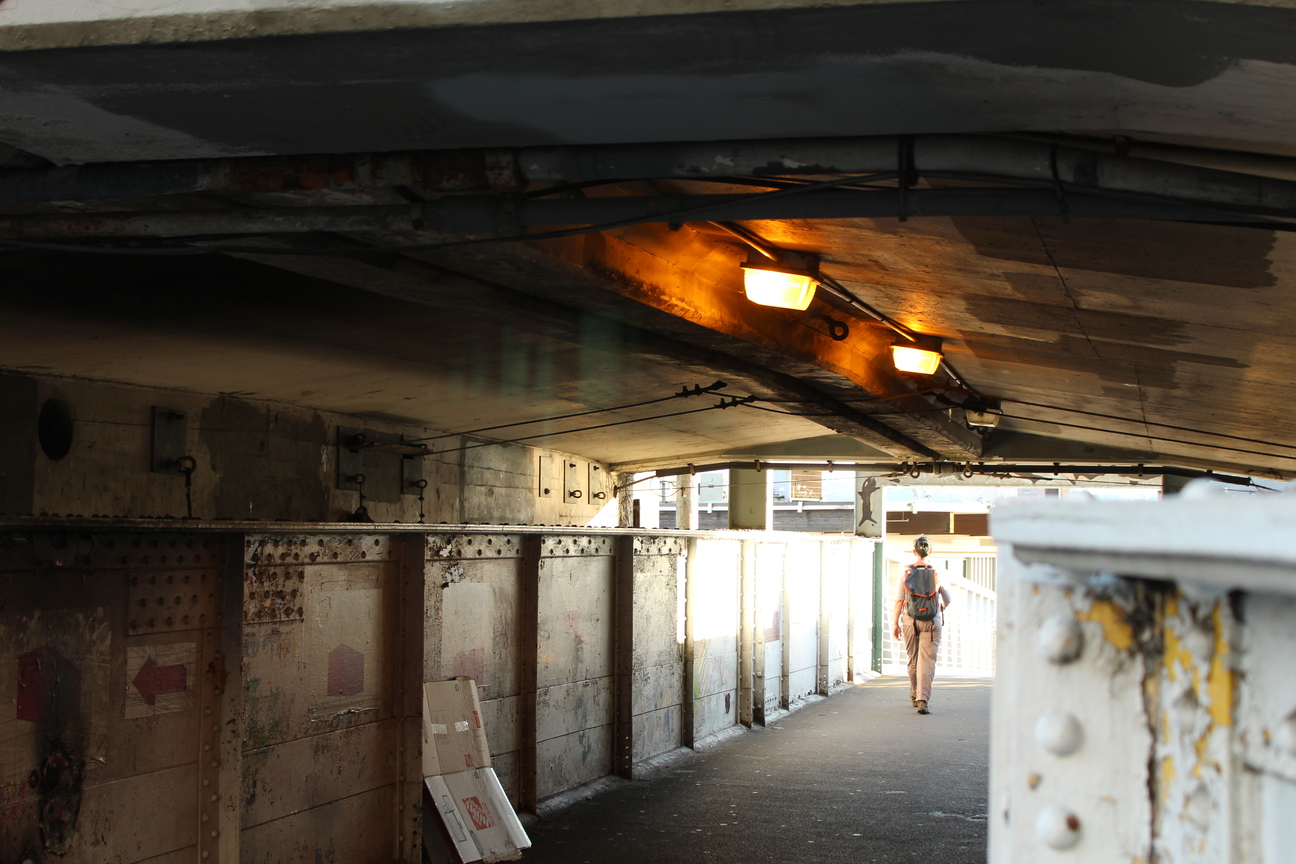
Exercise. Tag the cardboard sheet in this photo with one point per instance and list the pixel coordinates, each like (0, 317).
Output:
(453, 737)
(478, 817)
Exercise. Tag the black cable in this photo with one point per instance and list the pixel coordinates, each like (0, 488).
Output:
(1149, 437)
(697, 390)
(1147, 423)
(415, 247)
(736, 402)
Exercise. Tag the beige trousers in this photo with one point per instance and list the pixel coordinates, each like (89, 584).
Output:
(922, 640)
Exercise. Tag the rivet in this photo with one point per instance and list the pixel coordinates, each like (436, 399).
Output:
(1286, 737)
(1059, 732)
(1057, 827)
(1060, 639)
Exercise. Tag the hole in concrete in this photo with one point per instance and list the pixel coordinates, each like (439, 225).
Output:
(54, 429)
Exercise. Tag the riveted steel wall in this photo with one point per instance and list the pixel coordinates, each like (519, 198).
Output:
(198, 693)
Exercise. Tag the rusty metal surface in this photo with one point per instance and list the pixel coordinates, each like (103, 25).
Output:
(320, 734)
(574, 697)
(658, 687)
(263, 684)
(108, 721)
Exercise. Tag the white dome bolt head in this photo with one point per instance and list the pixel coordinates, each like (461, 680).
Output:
(1286, 736)
(1060, 639)
(1059, 732)
(1057, 827)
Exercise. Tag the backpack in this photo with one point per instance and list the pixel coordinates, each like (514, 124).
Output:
(922, 603)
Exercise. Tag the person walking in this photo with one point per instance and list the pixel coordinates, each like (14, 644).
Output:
(919, 615)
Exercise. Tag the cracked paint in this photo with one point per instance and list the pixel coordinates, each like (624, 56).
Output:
(1114, 622)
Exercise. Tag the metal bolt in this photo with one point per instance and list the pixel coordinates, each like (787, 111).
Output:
(1059, 732)
(1060, 639)
(1286, 736)
(1057, 827)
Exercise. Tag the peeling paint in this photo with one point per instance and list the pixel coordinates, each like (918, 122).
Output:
(1114, 621)
(1220, 680)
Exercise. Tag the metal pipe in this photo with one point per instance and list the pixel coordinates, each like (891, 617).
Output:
(991, 468)
(509, 217)
(437, 171)
(1074, 169)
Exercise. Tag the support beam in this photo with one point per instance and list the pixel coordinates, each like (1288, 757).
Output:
(686, 503)
(623, 640)
(747, 647)
(504, 216)
(688, 706)
(408, 841)
(870, 521)
(227, 668)
(1079, 169)
(528, 670)
(751, 500)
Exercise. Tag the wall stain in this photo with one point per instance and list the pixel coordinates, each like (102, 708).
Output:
(1172, 251)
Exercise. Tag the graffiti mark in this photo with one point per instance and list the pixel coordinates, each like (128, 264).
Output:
(47, 682)
(158, 678)
(470, 664)
(153, 680)
(58, 781)
(49, 695)
(345, 671)
(572, 621)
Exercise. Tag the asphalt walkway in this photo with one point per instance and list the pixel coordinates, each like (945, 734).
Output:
(857, 777)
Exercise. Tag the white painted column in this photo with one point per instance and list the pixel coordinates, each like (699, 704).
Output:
(751, 500)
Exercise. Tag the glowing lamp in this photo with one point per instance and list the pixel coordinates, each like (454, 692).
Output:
(788, 283)
(922, 358)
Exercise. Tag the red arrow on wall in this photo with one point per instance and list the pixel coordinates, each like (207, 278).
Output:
(153, 680)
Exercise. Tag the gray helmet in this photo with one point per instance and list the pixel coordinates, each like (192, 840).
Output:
(922, 546)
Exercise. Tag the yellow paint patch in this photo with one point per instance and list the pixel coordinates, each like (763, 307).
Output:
(1115, 623)
(1167, 776)
(1172, 606)
(1174, 651)
(1220, 679)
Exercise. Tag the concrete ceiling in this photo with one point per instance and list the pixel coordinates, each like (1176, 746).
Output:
(1116, 340)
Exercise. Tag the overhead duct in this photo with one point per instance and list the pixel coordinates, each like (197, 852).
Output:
(1075, 169)
(509, 217)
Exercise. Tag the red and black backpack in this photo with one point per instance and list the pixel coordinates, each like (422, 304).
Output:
(921, 603)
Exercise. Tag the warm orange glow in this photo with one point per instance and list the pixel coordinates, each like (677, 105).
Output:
(772, 288)
(918, 360)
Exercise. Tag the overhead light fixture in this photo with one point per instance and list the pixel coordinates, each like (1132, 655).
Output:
(921, 356)
(787, 283)
(983, 419)
(981, 412)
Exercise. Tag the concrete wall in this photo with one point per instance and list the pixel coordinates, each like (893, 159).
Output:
(262, 460)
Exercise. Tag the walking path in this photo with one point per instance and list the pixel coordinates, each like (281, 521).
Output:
(857, 777)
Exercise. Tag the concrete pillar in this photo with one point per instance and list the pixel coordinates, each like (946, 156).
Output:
(686, 503)
(751, 500)
(870, 521)
(1172, 485)
(747, 691)
(625, 500)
